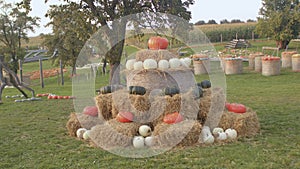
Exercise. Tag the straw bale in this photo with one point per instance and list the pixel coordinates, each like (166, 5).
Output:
(152, 79)
(246, 124)
(185, 133)
(216, 108)
(114, 134)
(154, 54)
(287, 58)
(104, 105)
(205, 103)
(79, 120)
(73, 125)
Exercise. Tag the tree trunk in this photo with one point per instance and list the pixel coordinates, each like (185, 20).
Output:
(282, 44)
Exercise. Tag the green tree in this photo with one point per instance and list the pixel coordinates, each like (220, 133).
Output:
(71, 30)
(103, 12)
(279, 20)
(15, 23)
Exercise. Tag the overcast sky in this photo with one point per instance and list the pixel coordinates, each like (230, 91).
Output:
(201, 10)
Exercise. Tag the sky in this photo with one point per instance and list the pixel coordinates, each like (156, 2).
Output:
(201, 10)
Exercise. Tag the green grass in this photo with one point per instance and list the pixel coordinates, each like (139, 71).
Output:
(33, 134)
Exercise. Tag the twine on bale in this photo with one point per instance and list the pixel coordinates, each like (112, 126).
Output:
(246, 124)
(185, 133)
(104, 105)
(154, 54)
(286, 58)
(114, 134)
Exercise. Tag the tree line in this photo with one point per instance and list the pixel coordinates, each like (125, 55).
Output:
(224, 21)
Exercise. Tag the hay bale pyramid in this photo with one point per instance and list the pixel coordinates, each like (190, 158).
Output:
(162, 105)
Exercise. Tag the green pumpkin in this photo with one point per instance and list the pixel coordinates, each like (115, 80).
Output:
(171, 91)
(137, 90)
(198, 92)
(105, 90)
(205, 84)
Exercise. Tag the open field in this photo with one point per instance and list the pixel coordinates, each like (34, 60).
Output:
(33, 134)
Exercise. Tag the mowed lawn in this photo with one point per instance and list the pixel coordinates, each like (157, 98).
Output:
(33, 134)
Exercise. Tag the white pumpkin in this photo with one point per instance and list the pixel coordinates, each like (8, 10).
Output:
(174, 63)
(209, 139)
(163, 64)
(150, 64)
(149, 141)
(231, 134)
(217, 130)
(221, 136)
(188, 61)
(145, 130)
(138, 65)
(129, 64)
(138, 142)
(80, 132)
(86, 135)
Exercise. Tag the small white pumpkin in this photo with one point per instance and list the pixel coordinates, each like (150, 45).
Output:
(221, 136)
(138, 65)
(149, 141)
(150, 64)
(86, 135)
(163, 64)
(80, 132)
(129, 64)
(208, 139)
(217, 130)
(231, 133)
(188, 61)
(174, 63)
(145, 130)
(138, 142)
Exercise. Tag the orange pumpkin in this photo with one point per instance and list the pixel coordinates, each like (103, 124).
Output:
(157, 42)
(125, 117)
(173, 118)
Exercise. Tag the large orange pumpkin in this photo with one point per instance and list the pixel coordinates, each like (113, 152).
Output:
(158, 42)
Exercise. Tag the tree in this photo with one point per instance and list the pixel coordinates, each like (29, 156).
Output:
(211, 22)
(201, 22)
(279, 20)
(15, 23)
(236, 21)
(71, 30)
(224, 21)
(103, 12)
(250, 20)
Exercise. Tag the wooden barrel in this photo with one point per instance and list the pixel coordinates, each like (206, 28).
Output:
(286, 58)
(271, 66)
(296, 62)
(233, 66)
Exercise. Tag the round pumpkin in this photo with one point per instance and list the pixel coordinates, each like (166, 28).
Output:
(173, 118)
(157, 42)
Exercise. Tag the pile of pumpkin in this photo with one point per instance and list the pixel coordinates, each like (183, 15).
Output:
(46, 73)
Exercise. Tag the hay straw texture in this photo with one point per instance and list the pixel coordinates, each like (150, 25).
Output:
(154, 54)
(79, 120)
(296, 62)
(185, 133)
(217, 107)
(245, 124)
(114, 134)
(104, 104)
(258, 63)
(205, 103)
(158, 79)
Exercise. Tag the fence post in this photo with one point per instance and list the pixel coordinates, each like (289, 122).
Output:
(61, 72)
(41, 73)
(221, 36)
